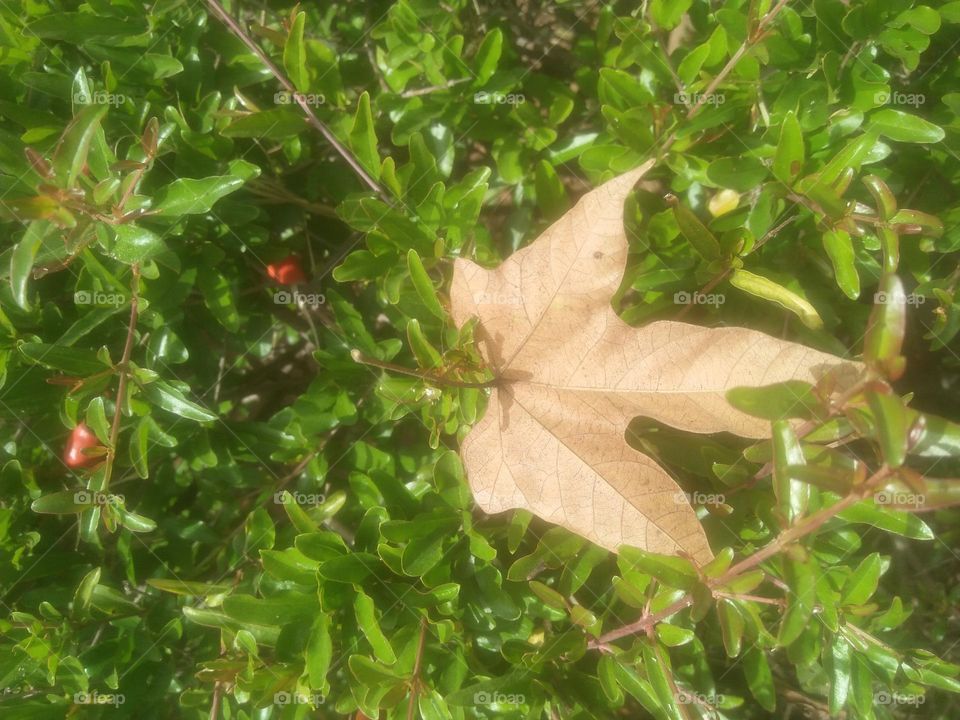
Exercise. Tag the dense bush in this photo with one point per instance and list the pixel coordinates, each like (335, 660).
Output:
(210, 508)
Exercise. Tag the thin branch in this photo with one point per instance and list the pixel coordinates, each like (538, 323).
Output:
(312, 118)
(415, 679)
(752, 39)
(124, 368)
(805, 527)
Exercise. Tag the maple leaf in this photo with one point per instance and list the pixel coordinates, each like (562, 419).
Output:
(571, 375)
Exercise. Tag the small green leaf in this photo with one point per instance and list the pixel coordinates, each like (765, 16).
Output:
(731, 626)
(367, 620)
(886, 327)
(427, 355)
(172, 400)
(295, 55)
(759, 678)
(97, 420)
(70, 155)
(861, 585)
(192, 196)
(769, 290)
(319, 651)
(21, 261)
(904, 127)
(839, 249)
(672, 571)
(59, 503)
(696, 233)
(789, 399)
(138, 449)
(550, 596)
(423, 285)
(134, 522)
(487, 57)
(792, 495)
(84, 593)
(893, 431)
(73, 361)
(363, 137)
(788, 160)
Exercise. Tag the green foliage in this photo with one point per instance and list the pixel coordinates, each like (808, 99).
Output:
(275, 522)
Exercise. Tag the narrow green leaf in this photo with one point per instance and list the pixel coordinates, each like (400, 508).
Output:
(840, 250)
(193, 196)
(319, 651)
(367, 620)
(759, 678)
(890, 417)
(363, 137)
(295, 55)
(423, 285)
(73, 361)
(21, 261)
(488, 55)
(788, 160)
(731, 626)
(904, 127)
(696, 233)
(886, 327)
(97, 420)
(769, 290)
(187, 587)
(172, 400)
(792, 495)
(861, 585)
(70, 155)
(84, 593)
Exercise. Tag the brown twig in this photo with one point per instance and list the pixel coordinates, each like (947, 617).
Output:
(752, 39)
(124, 369)
(312, 118)
(809, 525)
(415, 682)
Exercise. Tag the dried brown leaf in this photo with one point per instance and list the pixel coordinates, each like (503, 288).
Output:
(572, 374)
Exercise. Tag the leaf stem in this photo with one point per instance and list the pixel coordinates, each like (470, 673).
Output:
(423, 375)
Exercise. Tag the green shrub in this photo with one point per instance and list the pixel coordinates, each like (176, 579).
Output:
(252, 524)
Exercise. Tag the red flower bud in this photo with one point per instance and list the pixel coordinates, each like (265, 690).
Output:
(287, 271)
(81, 438)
